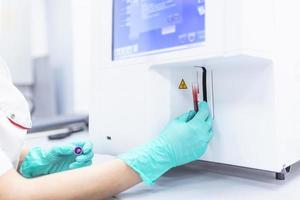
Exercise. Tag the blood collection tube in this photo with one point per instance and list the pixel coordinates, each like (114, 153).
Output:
(195, 90)
(78, 151)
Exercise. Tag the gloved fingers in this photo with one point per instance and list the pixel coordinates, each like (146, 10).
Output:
(211, 134)
(79, 143)
(206, 127)
(85, 157)
(186, 116)
(86, 146)
(62, 150)
(209, 128)
(77, 165)
(202, 114)
(209, 122)
(191, 115)
(183, 117)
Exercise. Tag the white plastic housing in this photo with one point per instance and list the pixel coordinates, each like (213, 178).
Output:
(251, 51)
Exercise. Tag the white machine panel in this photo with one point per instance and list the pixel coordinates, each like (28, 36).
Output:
(250, 84)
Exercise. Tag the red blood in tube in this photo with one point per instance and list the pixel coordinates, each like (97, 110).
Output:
(195, 89)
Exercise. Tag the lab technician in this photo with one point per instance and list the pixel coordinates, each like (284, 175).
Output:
(38, 174)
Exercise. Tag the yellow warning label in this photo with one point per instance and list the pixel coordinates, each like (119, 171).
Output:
(182, 85)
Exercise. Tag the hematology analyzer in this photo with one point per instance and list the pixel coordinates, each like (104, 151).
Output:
(242, 54)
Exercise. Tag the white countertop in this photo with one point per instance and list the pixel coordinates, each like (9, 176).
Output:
(201, 180)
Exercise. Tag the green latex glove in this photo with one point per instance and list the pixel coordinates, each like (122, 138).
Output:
(183, 140)
(39, 162)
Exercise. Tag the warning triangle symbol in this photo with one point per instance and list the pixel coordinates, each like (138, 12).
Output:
(182, 85)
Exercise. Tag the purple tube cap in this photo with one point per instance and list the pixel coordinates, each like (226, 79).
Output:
(78, 151)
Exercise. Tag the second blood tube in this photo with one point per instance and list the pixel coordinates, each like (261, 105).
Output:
(195, 90)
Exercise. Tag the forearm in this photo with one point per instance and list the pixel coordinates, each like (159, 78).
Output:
(96, 182)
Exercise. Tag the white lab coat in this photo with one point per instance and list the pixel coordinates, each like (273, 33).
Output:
(14, 121)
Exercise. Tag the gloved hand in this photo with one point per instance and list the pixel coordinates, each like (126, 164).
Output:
(61, 158)
(183, 140)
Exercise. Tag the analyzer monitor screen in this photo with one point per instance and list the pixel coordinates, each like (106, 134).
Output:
(142, 27)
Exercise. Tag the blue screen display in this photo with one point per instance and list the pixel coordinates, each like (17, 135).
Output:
(141, 27)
